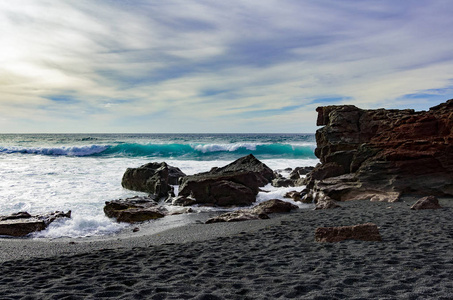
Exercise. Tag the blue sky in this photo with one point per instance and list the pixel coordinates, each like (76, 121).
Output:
(216, 66)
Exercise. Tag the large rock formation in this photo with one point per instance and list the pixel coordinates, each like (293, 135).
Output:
(236, 184)
(380, 154)
(154, 178)
(22, 223)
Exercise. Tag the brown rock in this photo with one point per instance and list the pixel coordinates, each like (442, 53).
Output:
(363, 232)
(22, 223)
(274, 206)
(326, 203)
(237, 216)
(382, 152)
(429, 202)
(259, 211)
(133, 210)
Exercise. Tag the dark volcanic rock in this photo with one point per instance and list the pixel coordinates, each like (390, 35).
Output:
(381, 153)
(132, 210)
(274, 206)
(259, 211)
(362, 232)
(283, 182)
(154, 178)
(233, 185)
(429, 202)
(326, 204)
(251, 164)
(22, 223)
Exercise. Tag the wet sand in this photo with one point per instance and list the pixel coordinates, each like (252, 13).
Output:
(266, 259)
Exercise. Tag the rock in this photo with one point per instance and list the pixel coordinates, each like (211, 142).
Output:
(22, 223)
(236, 184)
(429, 202)
(326, 203)
(381, 154)
(248, 163)
(133, 210)
(273, 206)
(294, 195)
(259, 211)
(237, 216)
(154, 178)
(301, 171)
(183, 201)
(282, 182)
(362, 232)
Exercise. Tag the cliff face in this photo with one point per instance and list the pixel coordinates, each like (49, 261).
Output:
(381, 153)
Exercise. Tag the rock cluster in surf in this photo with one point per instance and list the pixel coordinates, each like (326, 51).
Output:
(22, 223)
(380, 154)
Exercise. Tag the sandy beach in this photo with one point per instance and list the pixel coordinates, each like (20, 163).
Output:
(266, 259)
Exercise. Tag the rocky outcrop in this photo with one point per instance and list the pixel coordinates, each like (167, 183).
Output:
(22, 223)
(236, 184)
(154, 178)
(429, 202)
(362, 232)
(260, 211)
(133, 210)
(381, 154)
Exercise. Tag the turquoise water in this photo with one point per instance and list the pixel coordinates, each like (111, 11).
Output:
(175, 146)
(79, 172)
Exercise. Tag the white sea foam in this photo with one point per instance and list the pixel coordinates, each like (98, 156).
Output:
(225, 147)
(40, 184)
(64, 150)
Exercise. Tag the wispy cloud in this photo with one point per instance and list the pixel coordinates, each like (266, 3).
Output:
(247, 66)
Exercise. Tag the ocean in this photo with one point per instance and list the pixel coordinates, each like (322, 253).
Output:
(41, 173)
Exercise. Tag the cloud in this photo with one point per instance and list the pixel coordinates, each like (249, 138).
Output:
(181, 66)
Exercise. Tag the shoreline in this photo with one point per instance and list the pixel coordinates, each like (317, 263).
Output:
(275, 258)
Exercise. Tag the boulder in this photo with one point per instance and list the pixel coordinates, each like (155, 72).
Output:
(259, 211)
(381, 154)
(274, 206)
(22, 223)
(429, 202)
(133, 210)
(362, 232)
(154, 178)
(326, 203)
(236, 184)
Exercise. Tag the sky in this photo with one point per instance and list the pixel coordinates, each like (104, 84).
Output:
(254, 66)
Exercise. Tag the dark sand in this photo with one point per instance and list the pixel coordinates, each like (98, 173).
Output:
(268, 259)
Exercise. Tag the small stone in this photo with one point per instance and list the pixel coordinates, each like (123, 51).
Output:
(429, 202)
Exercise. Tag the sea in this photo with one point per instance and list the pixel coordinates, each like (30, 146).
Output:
(42, 173)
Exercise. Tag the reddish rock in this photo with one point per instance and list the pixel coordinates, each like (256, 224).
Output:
(362, 232)
(429, 202)
(364, 152)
